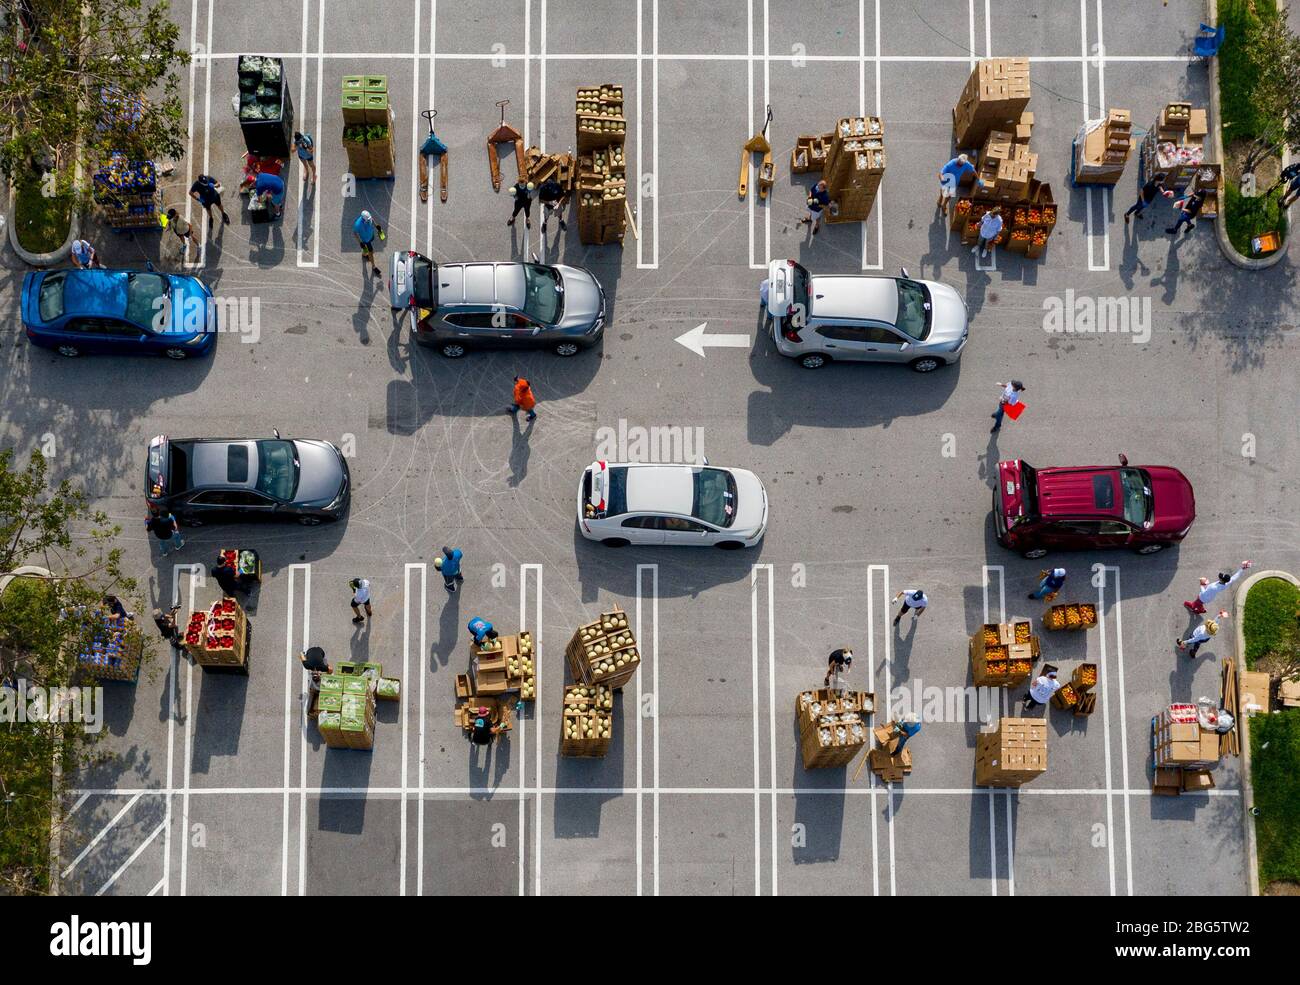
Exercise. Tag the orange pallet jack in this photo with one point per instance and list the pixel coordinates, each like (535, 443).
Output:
(505, 134)
(432, 147)
(758, 144)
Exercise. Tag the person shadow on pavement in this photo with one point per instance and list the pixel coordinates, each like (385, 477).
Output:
(520, 449)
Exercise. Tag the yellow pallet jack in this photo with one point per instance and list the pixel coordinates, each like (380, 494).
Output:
(505, 134)
(757, 144)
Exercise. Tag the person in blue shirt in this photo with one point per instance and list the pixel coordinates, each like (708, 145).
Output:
(270, 188)
(905, 728)
(1050, 585)
(951, 175)
(449, 565)
(364, 229)
(819, 197)
(305, 146)
(480, 630)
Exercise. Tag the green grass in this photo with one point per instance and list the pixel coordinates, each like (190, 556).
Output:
(41, 223)
(1270, 606)
(1244, 218)
(1275, 771)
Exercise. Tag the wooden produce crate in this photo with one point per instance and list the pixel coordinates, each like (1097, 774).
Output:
(833, 726)
(521, 666)
(224, 636)
(587, 726)
(1070, 615)
(1002, 654)
(604, 651)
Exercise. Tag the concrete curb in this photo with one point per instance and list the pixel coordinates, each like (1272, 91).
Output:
(1243, 726)
(1221, 228)
(41, 259)
(56, 827)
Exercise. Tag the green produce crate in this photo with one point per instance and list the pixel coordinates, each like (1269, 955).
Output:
(354, 108)
(376, 108)
(354, 83)
(376, 83)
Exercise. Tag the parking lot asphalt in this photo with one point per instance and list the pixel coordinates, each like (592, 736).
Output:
(879, 479)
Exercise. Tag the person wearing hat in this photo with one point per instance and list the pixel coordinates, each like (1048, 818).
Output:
(1210, 590)
(449, 565)
(484, 729)
(912, 598)
(166, 623)
(523, 195)
(1049, 585)
(950, 176)
(480, 630)
(838, 663)
(364, 229)
(1010, 395)
(1201, 634)
(1041, 690)
(905, 728)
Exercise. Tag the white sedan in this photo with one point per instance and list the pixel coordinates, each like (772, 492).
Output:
(687, 505)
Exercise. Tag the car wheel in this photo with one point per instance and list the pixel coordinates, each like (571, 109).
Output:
(614, 542)
(71, 351)
(175, 353)
(1150, 549)
(309, 521)
(566, 349)
(730, 545)
(926, 364)
(452, 350)
(1034, 554)
(814, 360)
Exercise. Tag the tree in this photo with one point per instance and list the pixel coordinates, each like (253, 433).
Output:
(52, 528)
(1272, 50)
(69, 68)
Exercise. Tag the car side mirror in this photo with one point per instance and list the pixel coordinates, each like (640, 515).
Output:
(276, 432)
(534, 256)
(1123, 459)
(903, 347)
(903, 271)
(537, 329)
(148, 265)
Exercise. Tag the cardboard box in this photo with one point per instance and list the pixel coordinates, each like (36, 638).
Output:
(1167, 782)
(1288, 693)
(1197, 780)
(1254, 687)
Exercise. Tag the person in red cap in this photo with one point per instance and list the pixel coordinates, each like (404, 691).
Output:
(524, 399)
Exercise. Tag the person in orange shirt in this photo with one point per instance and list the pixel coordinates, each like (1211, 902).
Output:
(524, 399)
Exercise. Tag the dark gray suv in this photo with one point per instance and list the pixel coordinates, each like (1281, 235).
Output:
(512, 305)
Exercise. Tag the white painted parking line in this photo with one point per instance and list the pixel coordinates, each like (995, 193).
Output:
(879, 263)
(691, 57)
(405, 704)
(77, 806)
(289, 662)
(753, 636)
(1103, 675)
(871, 688)
(993, 838)
(653, 571)
(889, 713)
(538, 630)
(1089, 234)
(100, 835)
(433, 71)
(207, 139)
(307, 125)
(771, 715)
(134, 855)
(189, 136)
(195, 573)
(302, 734)
(379, 793)
(1112, 571)
(157, 887)
(419, 816)
(990, 262)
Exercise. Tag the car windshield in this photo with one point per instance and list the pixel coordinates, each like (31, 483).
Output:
(142, 293)
(423, 286)
(616, 501)
(277, 469)
(715, 497)
(543, 293)
(51, 296)
(913, 310)
(1137, 496)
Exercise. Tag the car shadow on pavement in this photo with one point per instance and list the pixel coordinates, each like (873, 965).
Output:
(852, 395)
(683, 571)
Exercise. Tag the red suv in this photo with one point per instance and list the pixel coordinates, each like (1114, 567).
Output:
(1143, 508)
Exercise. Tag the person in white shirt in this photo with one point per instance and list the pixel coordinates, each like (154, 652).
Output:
(912, 598)
(1040, 692)
(1010, 395)
(360, 596)
(1201, 634)
(1210, 590)
(990, 229)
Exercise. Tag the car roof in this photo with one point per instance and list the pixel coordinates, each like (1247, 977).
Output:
(94, 292)
(660, 489)
(210, 464)
(1069, 492)
(844, 296)
(481, 284)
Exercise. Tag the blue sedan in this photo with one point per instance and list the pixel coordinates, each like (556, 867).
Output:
(118, 311)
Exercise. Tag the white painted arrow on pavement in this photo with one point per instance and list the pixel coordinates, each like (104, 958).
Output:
(696, 340)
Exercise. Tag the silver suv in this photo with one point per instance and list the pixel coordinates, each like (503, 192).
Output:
(816, 320)
(500, 305)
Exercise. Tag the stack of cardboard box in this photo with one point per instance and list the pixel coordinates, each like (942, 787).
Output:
(1102, 148)
(890, 765)
(1005, 168)
(1179, 741)
(855, 167)
(346, 711)
(1025, 225)
(368, 127)
(602, 171)
(218, 636)
(810, 152)
(1003, 654)
(1015, 753)
(604, 651)
(996, 93)
(833, 725)
(1175, 144)
(588, 725)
